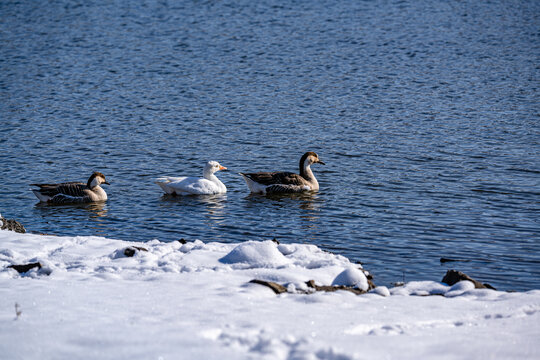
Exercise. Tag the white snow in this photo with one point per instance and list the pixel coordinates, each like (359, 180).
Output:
(352, 277)
(194, 301)
(255, 254)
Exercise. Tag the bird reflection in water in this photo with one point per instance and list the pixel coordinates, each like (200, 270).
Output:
(96, 209)
(309, 202)
(214, 204)
(98, 213)
(60, 217)
(300, 210)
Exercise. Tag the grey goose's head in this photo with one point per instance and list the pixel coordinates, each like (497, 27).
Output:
(96, 179)
(309, 158)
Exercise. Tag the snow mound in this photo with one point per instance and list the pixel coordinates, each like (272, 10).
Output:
(352, 277)
(256, 254)
(381, 290)
(426, 288)
(459, 288)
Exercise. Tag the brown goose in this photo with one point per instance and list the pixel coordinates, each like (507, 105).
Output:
(285, 182)
(73, 192)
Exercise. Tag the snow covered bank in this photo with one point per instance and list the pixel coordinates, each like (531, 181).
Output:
(194, 301)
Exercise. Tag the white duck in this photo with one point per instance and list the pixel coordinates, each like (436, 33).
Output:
(285, 182)
(73, 192)
(207, 185)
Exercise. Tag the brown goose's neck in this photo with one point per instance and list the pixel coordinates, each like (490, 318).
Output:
(306, 173)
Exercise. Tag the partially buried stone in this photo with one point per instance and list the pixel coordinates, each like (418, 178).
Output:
(332, 288)
(453, 276)
(131, 250)
(277, 288)
(11, 225)
(25, 268)
(280, 289)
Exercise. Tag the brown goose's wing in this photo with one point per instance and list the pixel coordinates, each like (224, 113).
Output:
(70, 189)
(277, 178)
(67, 199)
(279, 188)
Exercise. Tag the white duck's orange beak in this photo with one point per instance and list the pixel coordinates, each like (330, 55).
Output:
(222, 167)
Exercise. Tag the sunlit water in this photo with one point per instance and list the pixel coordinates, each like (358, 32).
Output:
(426, 114)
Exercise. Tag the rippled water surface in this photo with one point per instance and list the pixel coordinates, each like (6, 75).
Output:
(426, 113)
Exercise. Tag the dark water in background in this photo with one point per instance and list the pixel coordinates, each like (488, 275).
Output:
(426, 113)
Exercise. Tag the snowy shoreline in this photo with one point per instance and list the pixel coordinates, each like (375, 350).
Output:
(195, 301)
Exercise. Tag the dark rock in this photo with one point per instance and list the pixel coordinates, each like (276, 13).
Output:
(11, 225)
(445, 260)
(327, 288)
(453, 276)
(182, 241)
(131, 250)
(280, 289)
(26, 267)
(277, 288)
(275, 240)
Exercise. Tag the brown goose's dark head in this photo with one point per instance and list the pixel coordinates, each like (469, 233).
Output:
(96, 179)
(307, 159)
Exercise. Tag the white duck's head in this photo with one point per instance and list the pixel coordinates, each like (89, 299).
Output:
(96, 179)
(211, 167)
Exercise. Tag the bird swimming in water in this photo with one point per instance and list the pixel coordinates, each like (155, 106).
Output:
(209, 184)
(285, 182)
(73, 192)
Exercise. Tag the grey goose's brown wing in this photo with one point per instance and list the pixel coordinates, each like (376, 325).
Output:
(277, 178)
(60, 199)
(70, 189)
(281, 189)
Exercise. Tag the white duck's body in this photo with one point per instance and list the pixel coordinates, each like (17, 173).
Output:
(73, 192)
(285, 182)
(209, 184)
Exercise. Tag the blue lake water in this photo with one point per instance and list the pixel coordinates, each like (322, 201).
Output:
(426, 114)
